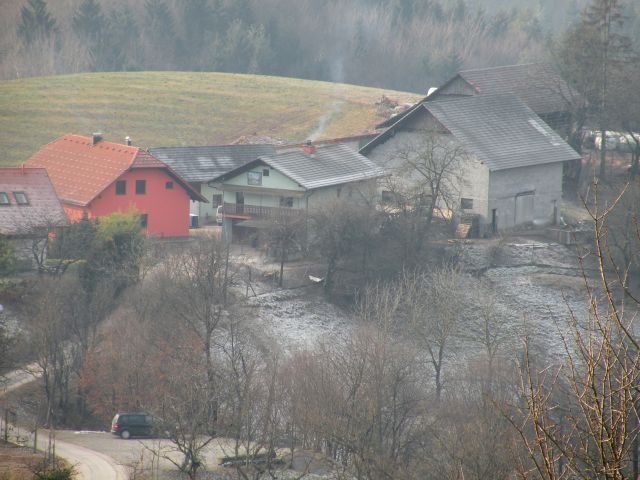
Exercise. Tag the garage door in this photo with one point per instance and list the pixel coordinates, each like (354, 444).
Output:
(524, 207)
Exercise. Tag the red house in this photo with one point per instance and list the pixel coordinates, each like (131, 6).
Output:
(94, 178)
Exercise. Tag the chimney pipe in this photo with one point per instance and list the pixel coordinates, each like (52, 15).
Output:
(128, 140)
(95, 138)
(309, 148)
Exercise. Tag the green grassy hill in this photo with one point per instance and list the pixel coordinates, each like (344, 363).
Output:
(178, 108)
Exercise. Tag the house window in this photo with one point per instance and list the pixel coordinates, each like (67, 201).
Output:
(388, 198)
(4, 199)
(216, 200)
(168, 185)
(121, 187)
(286, 202)
(466, 203)
(141, 187)
(265, 172)
(254, 178)
(21, 198)
(143, 220)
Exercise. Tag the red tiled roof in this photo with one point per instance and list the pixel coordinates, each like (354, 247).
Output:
(43, 209)
(81, 171)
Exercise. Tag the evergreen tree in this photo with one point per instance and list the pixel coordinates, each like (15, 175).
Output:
(199, 29)
(36, 23)
(160, 33)
(91, 27)
(89, 23)
(121, 39)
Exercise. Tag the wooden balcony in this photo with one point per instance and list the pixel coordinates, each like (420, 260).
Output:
(245, 211)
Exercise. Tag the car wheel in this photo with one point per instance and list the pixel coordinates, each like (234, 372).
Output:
(126, 435)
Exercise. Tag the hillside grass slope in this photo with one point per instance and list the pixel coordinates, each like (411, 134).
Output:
(179, 108)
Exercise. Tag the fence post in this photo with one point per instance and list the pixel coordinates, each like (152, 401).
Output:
(6, 425)
(35, 438)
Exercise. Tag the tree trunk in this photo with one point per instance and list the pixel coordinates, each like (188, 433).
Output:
(283, 258)
(603, 154)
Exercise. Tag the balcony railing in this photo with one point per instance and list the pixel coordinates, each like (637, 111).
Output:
(256, 211)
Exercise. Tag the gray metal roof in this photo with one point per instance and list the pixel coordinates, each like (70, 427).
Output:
(501, 131)
(537, 84)
(202, 164)
(329, 165)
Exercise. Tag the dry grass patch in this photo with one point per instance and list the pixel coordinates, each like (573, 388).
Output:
(178, 108)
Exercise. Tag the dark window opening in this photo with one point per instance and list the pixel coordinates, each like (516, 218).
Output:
(265, 172)
(21, 198)
(286, 202)
(143, 220)
(338, 190)
(141, 187)
(121, 187)
(466, 203)
(389, 198)
(168, 185)
(216, 200)
(4, 199)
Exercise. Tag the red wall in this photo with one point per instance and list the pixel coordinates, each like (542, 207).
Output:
(167, 209)
(75, 213)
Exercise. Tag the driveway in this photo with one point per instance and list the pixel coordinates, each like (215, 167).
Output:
(90, 464)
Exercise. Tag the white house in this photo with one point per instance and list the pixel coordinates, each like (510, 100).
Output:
(199, 165)
(294, 181)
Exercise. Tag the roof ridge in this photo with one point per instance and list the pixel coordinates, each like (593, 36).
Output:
(502, 66)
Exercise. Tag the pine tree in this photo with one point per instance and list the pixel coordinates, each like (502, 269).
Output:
(36, 23)
(89, 23)
(159, 30)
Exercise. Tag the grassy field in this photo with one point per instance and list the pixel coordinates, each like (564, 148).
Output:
(178, 108)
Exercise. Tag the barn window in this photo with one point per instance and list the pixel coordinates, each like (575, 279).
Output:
(141, 187)
(21, 198)
(4, 199)
(121, 187)
(466, 203)
(143, 220)
(168, 185)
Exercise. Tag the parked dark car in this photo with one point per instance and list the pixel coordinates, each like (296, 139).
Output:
(136, 424)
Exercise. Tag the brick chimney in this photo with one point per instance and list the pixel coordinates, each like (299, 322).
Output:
(309, 148)
(95, 138)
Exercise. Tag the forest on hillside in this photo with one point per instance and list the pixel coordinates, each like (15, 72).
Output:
(400, 44)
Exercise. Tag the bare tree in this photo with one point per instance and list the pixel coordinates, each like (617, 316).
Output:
(425, 185)
(286, 236)
(435, 304)
(341, 232)
(195, 287)
(579, 418)
(359, 401)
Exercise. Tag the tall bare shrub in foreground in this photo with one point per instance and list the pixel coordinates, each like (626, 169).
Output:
(580, 417)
